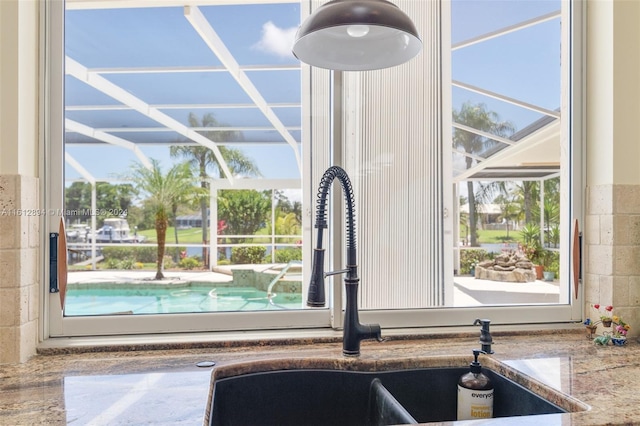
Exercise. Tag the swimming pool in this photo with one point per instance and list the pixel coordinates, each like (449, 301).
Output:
(120, 299)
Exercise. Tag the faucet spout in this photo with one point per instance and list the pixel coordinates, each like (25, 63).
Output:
(353, 332)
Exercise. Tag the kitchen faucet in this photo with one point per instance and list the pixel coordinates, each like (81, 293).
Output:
(353, 332)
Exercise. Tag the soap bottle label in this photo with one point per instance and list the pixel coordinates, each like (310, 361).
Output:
(474, 404)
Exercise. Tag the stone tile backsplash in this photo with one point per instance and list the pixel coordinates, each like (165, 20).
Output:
(20, 274)
(612, 251)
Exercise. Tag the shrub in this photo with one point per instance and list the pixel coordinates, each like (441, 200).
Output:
(189, 263)
(137, 254)
(144, 254)
(126, 263)
(552, 263)
(287, 254)
(245, 255)
(111, 263)
(169, 263)
(470, 257)
(174, 252)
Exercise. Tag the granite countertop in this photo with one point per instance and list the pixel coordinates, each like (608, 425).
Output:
(162, 384)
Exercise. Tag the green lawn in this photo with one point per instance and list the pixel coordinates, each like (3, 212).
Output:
(188, 236)
(498, 237)
(194, 236)
(185, 236)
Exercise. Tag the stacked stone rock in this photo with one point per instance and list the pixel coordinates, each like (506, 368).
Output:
(510, 267)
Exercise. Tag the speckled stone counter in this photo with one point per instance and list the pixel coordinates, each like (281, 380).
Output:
(159, 385)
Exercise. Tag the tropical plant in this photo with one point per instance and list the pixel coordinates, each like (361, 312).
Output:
(531, 246)
(530, 234)
(525, 195)
(287, 224)
(508, 208)
(244, 211)
(554, 267)
(547, 258)
(469, 258)
(284, 206)
(554, 235)
(247, 255)
(161, 190)
(464, 221)
(287, 254)
(205, 163)
(473, 144)
(189, 263)
(550, 207)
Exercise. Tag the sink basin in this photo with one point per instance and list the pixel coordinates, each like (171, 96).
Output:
(311, 393)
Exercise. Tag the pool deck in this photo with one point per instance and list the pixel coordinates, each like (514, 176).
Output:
(470, 291)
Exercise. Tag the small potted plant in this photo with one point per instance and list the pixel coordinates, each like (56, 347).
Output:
(605, 317)
(591, 328)
(472, 268)
(606, 320)
(533, 252)
(548, 258)
(620, 329)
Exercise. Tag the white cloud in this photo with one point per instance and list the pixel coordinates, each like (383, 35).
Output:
(277, 41)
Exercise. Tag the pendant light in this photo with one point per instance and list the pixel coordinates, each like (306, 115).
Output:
(357, 35)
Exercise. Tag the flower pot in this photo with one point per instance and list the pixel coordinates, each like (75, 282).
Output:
(606, 323)
(539, 270)
(548, 275)
(619, 341)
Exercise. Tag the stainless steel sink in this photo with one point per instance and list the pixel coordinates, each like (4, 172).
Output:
(323, 392)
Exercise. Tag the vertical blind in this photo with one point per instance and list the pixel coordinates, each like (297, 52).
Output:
(393, 152)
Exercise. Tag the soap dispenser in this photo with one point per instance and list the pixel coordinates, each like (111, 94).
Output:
(475, 392)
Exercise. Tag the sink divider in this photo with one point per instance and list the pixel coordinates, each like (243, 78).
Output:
(384, 408)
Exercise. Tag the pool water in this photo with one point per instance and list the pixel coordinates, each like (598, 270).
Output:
(153, 300)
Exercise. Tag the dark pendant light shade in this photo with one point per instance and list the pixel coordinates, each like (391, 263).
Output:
(357, 35)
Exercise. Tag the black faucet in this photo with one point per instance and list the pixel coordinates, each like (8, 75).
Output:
(485, 335)
(353, 332)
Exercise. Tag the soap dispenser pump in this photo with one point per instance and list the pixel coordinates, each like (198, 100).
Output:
(475, 392)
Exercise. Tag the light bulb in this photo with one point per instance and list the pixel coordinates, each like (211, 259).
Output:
(358, 31)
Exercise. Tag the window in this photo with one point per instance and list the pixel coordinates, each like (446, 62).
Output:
(443, 153)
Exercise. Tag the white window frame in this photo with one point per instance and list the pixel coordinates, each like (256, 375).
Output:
(52, 156)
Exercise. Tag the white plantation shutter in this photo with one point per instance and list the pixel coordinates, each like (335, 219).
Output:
(393, 152)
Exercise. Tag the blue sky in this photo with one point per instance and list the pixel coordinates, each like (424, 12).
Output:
(162, 37)
(523, 65)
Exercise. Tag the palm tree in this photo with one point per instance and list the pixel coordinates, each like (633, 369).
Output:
(527, 193)
(202, 160)
(463, 218)
(477, 117)
(508, 208)
(162, 189)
